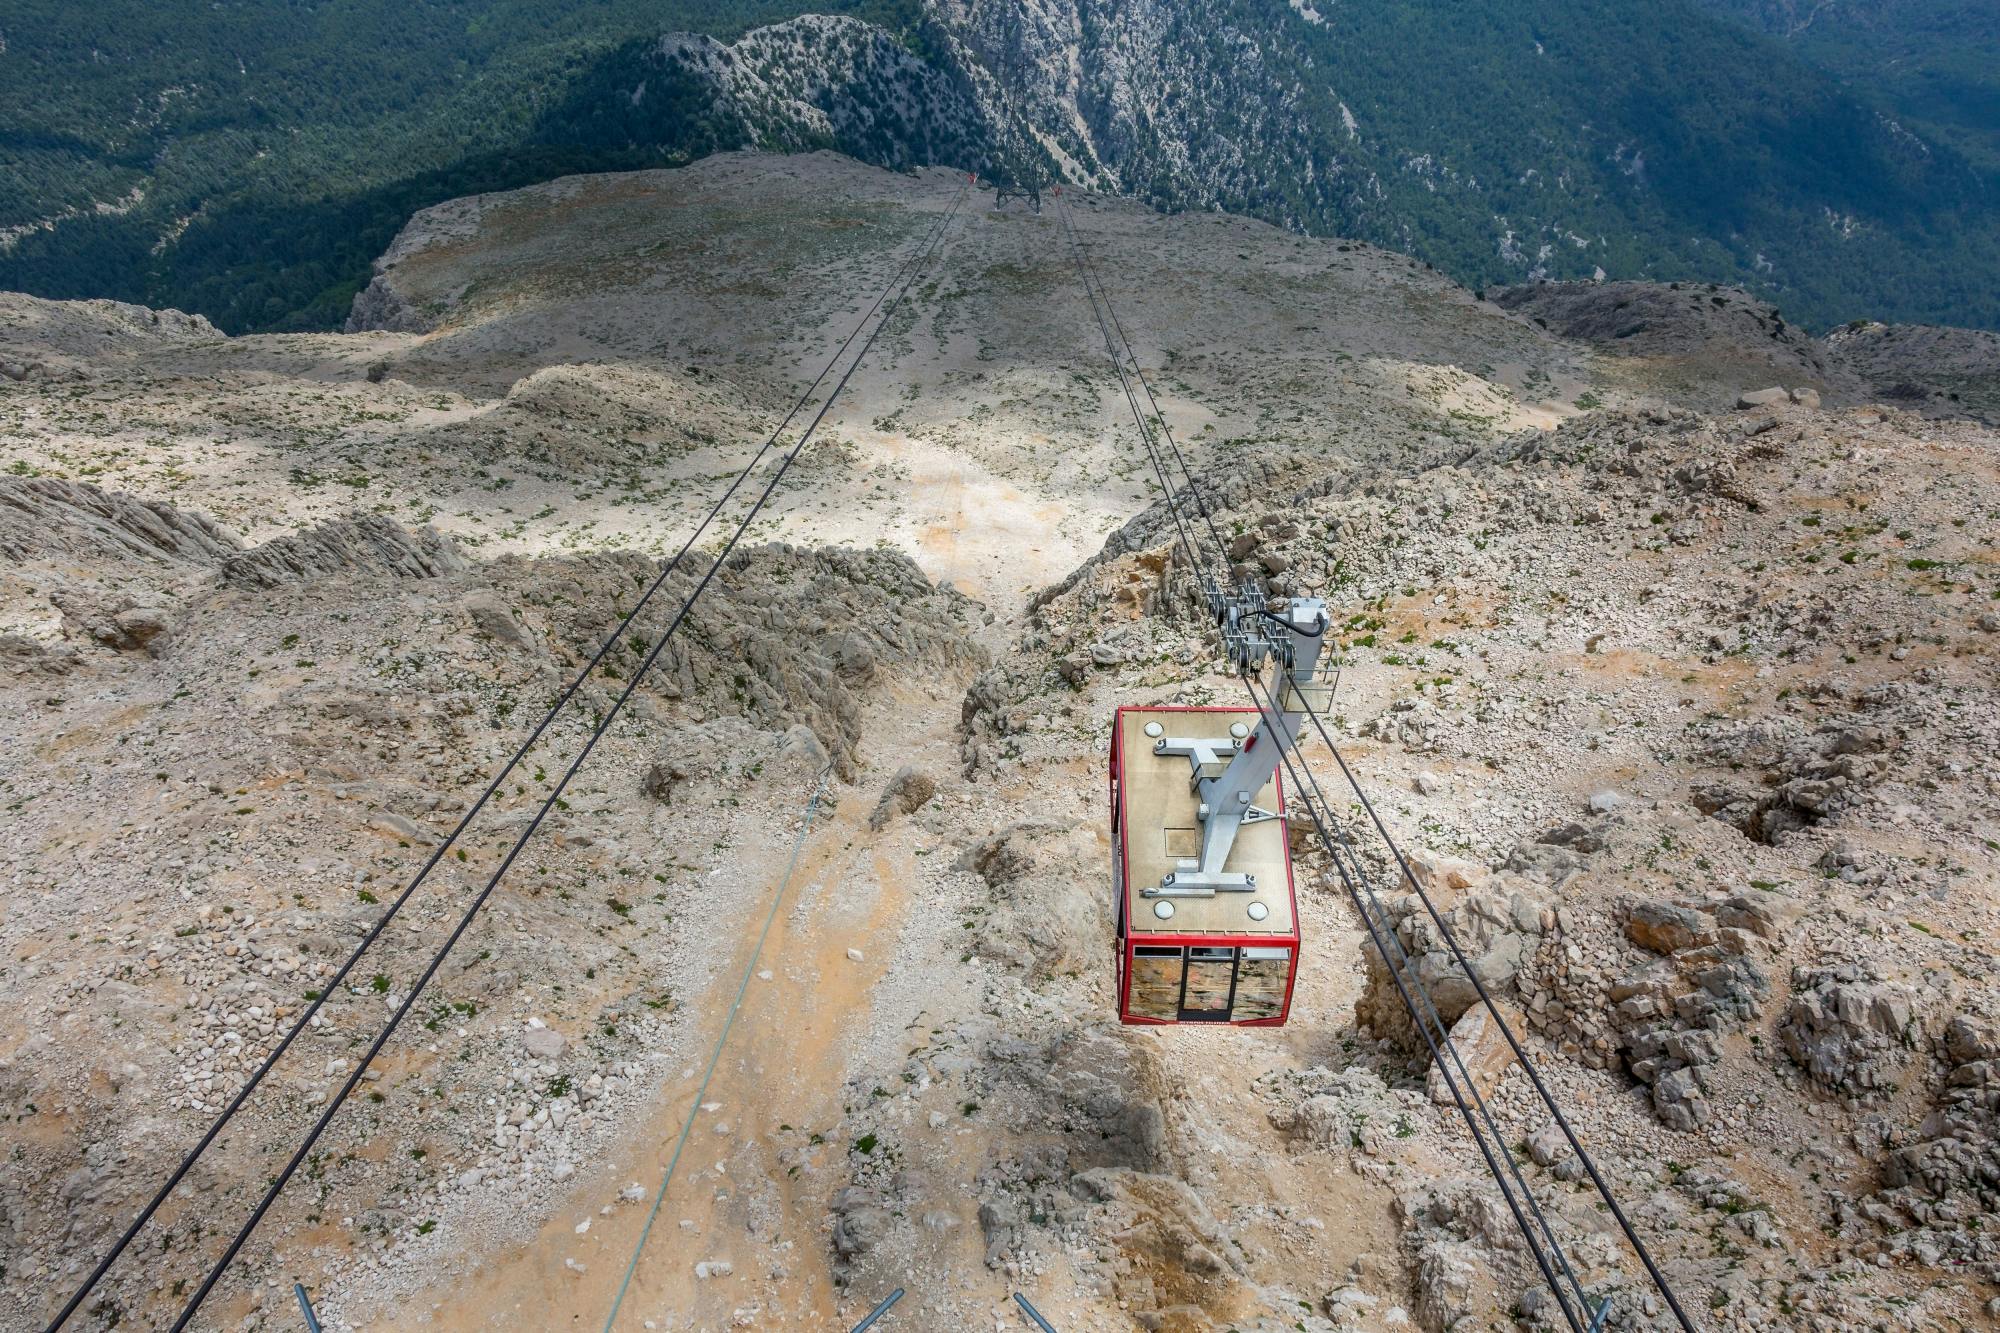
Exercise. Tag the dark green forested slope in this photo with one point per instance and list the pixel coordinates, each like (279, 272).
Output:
(1675, 147)
(1936, 62)
(1504, 140)
(247, 159)
(260, 153)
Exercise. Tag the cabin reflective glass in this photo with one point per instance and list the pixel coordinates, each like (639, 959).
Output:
(1209, 974)
(1260, 983)
(1156, 982)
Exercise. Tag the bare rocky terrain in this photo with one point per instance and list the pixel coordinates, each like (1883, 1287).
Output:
(1685, 709)
(1700, 336)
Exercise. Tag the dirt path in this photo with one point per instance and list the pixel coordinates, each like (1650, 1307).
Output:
(749, 1181)
(742, 1238)
(756, 1174)
(965, 526)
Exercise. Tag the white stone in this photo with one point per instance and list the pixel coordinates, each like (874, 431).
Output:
(544, 1043)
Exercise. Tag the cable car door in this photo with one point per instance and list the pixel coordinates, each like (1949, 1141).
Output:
(1210, 985)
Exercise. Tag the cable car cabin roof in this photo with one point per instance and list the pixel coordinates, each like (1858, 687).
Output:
(1158, 828)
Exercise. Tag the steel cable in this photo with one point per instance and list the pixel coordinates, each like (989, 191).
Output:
(374, 932)
(1645, 1257)
(1167, 491)
(1513, 1043)
(1373, 912)
(908, 278)
(1192, 487)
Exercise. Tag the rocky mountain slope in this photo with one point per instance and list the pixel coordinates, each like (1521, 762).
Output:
(1685, 711)
(1567, 140)
(1703, 330)
(818, 81)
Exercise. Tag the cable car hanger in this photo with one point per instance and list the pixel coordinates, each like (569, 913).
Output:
(1225, 775)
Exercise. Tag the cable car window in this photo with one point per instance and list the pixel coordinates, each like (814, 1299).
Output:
(1156, 982)
(1260, 983)
(1210, 974)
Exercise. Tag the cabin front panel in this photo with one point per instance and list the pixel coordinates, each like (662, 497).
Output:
(1208, 982)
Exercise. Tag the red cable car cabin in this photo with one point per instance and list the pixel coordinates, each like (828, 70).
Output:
(1225, 957)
